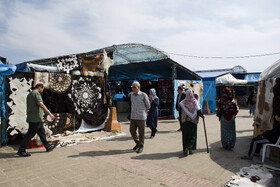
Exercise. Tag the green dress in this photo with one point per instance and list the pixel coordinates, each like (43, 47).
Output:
(189, 132)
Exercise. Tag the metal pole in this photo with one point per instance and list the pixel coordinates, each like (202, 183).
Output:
(205, 135)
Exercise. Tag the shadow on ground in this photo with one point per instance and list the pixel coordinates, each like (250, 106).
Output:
(230, 159)
(162, 156)
(103, 153)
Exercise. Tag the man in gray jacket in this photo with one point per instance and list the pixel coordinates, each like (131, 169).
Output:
(139, 108)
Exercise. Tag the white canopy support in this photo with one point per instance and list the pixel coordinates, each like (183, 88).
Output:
(229, 79)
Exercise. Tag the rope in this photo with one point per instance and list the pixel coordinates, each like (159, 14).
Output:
(224, 57)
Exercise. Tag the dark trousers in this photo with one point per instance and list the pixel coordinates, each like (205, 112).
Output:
(32, 130)
(154, 130)
(256, 145)
(180, 117)
(140, 125)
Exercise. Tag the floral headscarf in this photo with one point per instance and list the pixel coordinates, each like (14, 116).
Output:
(189, 105)
(227, 105)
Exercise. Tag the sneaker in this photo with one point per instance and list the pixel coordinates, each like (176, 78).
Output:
(50, 148)
(23, 153)
(135, 147)
(140, 149)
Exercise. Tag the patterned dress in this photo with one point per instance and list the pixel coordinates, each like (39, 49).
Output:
(228, 110)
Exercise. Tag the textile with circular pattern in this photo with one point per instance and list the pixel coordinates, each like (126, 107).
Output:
(62, 122)
(60, 82)
(86, 99)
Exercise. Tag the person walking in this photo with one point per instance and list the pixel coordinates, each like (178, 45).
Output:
(252, 103)
(35, 111)
(190, 113)
(152, 118)
(269, 136)
(139, 107)
(227, 112)
(181, 96)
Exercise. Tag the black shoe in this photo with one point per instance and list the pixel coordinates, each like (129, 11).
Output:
(23, 153)
(186, 152)
(135, 147)
(50, 148)
(140, 149)
(190, 152)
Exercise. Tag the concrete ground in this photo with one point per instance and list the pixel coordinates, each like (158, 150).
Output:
(112, 162)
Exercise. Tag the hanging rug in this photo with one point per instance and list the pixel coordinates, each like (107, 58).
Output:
(85, 99)
(60, 82)
(62, 122)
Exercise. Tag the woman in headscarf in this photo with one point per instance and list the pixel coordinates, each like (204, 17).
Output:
(227, 111)
(190, 112)
(153, 112)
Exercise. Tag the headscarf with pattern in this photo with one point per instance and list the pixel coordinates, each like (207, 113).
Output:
(190, 105)
(227, 105)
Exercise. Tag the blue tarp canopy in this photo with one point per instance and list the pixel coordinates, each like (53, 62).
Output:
(138, 61)
(161, 69)
(4, 71)
(252, 77)
(209, 87)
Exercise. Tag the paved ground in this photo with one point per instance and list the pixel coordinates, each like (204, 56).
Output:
(113, 163)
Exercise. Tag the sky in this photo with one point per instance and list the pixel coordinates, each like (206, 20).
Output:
(36, 29)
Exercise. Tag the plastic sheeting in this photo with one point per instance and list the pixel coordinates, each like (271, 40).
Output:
(252, 77)
(195, 88)
(209, 93)
(42, 67)
(211, 74)
(4, 71)
(272, 71)
(229, 79)
(161, 69)
(134, 53)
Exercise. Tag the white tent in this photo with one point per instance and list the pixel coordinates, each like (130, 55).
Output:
(229, 79)
(265, 97)
(272, 71)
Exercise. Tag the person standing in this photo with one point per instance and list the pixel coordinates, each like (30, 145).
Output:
(181, 96)
(139, 107)
(190, 114)
(252, 103)
(152, 118)
(227, 112)
(35, 111)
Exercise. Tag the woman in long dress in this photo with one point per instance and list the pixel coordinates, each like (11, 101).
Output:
(227, 112)
(190, 114)
(152, 118)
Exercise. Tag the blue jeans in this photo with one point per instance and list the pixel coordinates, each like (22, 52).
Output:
(252, 109)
